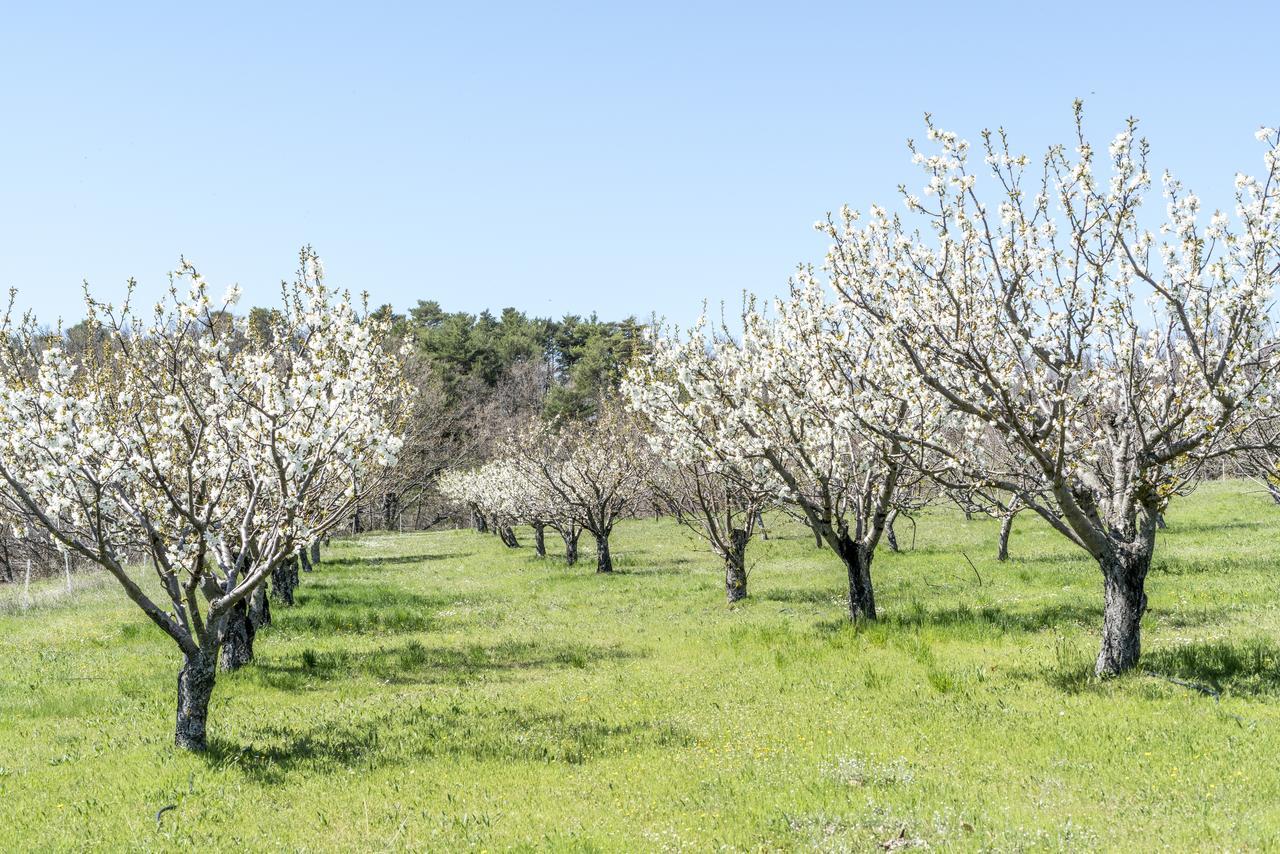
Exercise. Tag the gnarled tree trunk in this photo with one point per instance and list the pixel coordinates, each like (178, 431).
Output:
(247, 617)
(604, 560)
(508, 537)
(284, 579)
(570, 546)
(260, 608)
(195, 689)
(315, 553)
(857, 560)
(890, 533)
(1006, 528)
(735, 567)
(1124, 575)
(539, 539)
(237, 638)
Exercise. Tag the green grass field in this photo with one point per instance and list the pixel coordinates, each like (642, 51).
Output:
(438, 691)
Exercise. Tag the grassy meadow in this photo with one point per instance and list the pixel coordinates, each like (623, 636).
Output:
(441, 692)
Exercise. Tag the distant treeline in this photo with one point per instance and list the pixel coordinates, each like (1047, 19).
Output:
(576, 359)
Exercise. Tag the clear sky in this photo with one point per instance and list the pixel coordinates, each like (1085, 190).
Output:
(621, 158)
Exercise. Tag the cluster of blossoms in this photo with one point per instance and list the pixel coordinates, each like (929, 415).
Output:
(790, 405)
(569, 477)
(1031, 326)
(500, 494)
(1091, 365)
(1041, 349)
(701, 476)
(214, 446)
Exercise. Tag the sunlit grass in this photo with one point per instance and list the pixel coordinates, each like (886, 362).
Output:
(441, 692)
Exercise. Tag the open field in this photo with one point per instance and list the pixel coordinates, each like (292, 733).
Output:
(438, 691)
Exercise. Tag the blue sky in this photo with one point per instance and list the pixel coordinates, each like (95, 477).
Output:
(559, 158)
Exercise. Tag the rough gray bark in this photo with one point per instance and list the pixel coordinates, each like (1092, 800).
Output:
(764, 534)
(478, 521)
(304, 561)
(735, 567)
(508, 537)
(195, 688)
(315, 553)
(1274, 490)
(284, 580)
(237, 639)
(857, 560)
(1006, 527)
(260, 608)
(890, 534)
(1124, 575)
(604, 560)
(539, 539)
(570, 546)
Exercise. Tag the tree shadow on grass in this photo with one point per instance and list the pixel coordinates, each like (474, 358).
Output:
(344, 594)
(1247, 668)
(991, 621)
(1178, 526)
(327, 609)
(410, 734)
(788, 537)
(640, 562)
(1218, 565)
(999, 620)
(412, 663)
(802, 596)
(1074, 560)
(585, 570)
(363, 561)
(967, 623)
(667, 567)
(1053, 616)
